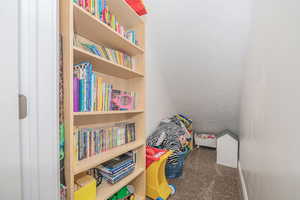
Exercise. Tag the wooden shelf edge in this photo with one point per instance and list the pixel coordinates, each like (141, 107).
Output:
(100, 59)
(108, 190)
(107, 112)
(77, 8)
(94, 161)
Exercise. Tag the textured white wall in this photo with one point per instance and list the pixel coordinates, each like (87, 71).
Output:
(196, 50)
(159, 103)
(270, 139)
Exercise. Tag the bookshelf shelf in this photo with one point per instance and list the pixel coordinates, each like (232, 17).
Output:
(108, 112)
(125, 13)
(94, 161)
(76, 20)
(106, 190)
(105, 66)
(88, 26)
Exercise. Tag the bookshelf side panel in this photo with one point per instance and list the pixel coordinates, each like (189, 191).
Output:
(66, 24)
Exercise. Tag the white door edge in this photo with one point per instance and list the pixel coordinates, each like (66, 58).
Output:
(38, 82)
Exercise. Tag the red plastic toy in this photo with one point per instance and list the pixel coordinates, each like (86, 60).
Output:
(138, 6)
(153, 154)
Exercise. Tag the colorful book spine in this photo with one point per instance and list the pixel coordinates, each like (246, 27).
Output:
(81, 97)
(87, 5)
(103, 96)
(107, 97)
(99, 9)
(93, 7)
(84, 89)
(87, 91)
(76, 94)
(93, 86)
(104, 11)
(99, 96)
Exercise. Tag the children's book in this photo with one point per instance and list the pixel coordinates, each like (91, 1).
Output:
(76, 94)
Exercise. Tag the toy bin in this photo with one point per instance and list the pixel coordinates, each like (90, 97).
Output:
(174, 170)
(157, 185)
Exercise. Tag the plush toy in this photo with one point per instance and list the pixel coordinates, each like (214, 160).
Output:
(182, 140)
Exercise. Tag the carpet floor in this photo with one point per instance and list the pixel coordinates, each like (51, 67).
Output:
(203, 179)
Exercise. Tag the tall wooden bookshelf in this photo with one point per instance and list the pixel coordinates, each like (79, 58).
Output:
(74, 19)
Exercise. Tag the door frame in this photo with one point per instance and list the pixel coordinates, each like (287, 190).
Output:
(38, 70)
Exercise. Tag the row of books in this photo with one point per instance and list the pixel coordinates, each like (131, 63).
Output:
(100, 9)
(118, 168)
(113, 55)
(92, 141)
(91, 93)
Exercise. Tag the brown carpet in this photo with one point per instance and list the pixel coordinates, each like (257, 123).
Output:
(203, 179)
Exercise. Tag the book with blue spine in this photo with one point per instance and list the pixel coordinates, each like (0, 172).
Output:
(83, 68)
(84, 90)
(92, 89)
(76, 94)
(99, 8)
(79, 72)
(87, 88)
(81, 95)
(95, 93)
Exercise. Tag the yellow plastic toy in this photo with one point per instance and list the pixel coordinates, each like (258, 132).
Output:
(157, 185)
(88, 189)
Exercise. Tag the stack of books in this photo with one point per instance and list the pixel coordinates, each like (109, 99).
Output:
(118, 168)
(100, 9)
(91, 93)
(93, 141)
(113, 55)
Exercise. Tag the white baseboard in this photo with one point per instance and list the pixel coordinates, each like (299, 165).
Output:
(244, 189)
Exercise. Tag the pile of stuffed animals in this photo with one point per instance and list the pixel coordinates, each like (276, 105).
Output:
(173, 133)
